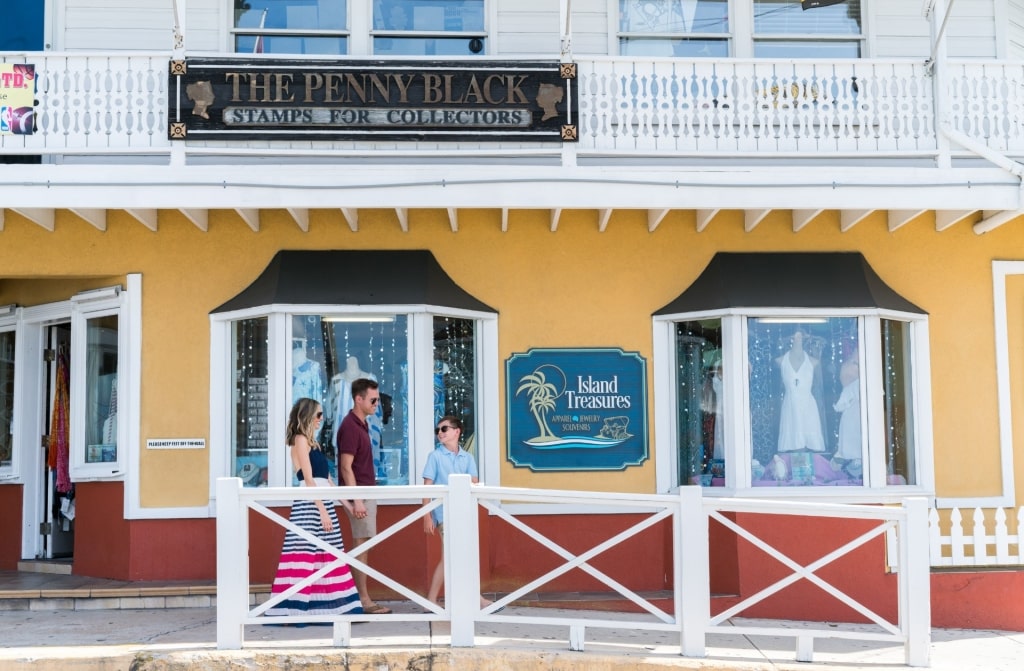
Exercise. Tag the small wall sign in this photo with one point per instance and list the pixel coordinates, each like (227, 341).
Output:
(175, 443)
(576, 409)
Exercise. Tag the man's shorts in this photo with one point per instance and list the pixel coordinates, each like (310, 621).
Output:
(367, 526)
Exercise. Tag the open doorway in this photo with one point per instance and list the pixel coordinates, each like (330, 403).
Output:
(57, 529)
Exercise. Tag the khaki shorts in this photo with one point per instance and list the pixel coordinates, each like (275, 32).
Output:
(365, 527)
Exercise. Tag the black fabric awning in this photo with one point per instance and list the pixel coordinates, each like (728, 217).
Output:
(788, 280)
(354, 277)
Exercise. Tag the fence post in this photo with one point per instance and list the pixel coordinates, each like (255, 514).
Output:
(232, 564)
(462, 560)
(915, 581)
(693, 584)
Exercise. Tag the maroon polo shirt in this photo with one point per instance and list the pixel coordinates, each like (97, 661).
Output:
(354, 439)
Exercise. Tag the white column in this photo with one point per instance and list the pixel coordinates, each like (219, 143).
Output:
(232, 564)
(463, 592)
(692, 582)
(915, 582)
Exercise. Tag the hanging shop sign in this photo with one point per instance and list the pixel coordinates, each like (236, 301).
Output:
(223, 99)
(17, 94)
(576, 409)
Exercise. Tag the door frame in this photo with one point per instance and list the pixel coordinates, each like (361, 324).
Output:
(30, 386)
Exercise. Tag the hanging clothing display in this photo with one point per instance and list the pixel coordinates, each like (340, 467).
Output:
(57, 457)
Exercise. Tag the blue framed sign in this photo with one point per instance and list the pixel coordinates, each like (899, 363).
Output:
(576, 409)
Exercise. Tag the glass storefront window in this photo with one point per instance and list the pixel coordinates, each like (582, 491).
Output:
(699, 409)
(455, 375)
(804, 399)
(331, 352)
(898, 403)
(6, 398)
(101, 389)
(249, 454)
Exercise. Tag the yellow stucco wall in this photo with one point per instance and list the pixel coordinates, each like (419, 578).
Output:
(575, 287)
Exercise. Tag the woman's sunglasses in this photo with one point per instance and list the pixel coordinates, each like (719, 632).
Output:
(444, 429)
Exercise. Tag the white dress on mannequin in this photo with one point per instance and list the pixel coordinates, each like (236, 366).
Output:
(341, 390)
(800, 421)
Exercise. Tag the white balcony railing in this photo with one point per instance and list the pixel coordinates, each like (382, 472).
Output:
(117, 103)
(688, 514)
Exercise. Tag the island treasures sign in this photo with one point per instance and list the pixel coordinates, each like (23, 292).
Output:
(576, 409)
(223, 99)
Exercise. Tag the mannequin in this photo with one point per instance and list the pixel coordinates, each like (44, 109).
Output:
(341, 402)
(848, 405)
(800, 421)
(306, 379)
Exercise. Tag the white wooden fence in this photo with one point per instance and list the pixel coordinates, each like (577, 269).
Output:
(972, 544)
(688, 513)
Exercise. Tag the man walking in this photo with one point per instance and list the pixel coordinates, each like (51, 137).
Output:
(355, 468)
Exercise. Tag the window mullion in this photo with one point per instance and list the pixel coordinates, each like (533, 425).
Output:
(736, 404)
(278, 399)
(875, 472)
(361, 22)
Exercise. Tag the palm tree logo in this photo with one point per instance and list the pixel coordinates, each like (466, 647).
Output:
(542, 396)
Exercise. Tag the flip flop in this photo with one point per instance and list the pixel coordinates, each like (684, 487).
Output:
(376, 609)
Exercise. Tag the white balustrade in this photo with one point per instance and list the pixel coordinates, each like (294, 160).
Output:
(970, 543)
(117, 103)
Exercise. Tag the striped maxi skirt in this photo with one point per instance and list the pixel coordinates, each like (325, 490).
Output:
(333, 593)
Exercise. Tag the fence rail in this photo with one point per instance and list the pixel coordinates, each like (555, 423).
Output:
(688, 513)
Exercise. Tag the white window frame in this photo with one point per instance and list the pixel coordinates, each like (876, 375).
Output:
(736, 403)
(81, 312)
(9, 324)
(421, 421)
(347, 33)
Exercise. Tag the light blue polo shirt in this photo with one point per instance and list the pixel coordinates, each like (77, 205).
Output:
(441, 463)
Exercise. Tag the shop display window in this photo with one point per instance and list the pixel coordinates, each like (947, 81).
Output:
(328, 353)
(421, 378)
(7, 339)
(804, 395)
(700, 408)
(250, 448)
(786, 402)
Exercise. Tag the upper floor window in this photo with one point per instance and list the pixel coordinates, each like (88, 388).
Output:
(686, 28)
(782, 29)
(722, 28)
(428, 27)
(383, 27)
(290, 26)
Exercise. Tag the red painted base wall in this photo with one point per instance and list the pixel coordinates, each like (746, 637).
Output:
(108, 546)
(10, 526)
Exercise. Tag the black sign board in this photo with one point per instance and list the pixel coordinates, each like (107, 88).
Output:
(225, 99)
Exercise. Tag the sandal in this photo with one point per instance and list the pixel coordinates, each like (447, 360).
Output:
(376, 609)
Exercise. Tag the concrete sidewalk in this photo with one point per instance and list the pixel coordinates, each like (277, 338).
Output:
(183, 639)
